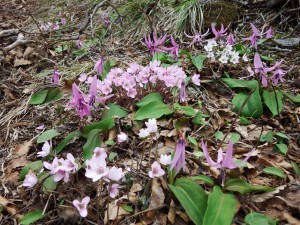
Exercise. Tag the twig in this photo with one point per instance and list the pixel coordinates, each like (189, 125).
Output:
(19, 41)
(9, 32)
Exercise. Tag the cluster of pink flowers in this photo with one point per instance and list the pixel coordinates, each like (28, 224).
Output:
(50, 26)
(151, 128)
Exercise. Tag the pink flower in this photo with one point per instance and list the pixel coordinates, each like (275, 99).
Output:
(82, 77)
(41, 127)
(196, 79)
(179, 157)
(218, 33)
(79, 43)
(269, 33)
(45, 150)
(197, 38)
(230, 39)
(255, 35)
(122, 137)
(99, 153)
(82, 206)
(144, 133)
(30, 180)
(156, 170)
(261, 69)
(182, 91)
(96, 168)
(69, 164)
(99, 66)
(113, 190)
(55, 77)
(278, 73)
(165, 159)
(115, 174)
(154, 45)
(151, 126)
(63, 21)
(174, 49)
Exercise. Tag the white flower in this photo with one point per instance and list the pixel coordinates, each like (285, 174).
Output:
(151, 126)
(234, 57)
(115, 174)
(165, 159)
(223, 59)
(196, 79)
(245, 58)
(30, 180)
(82, 206)
(122, 137)
(45, 150)
(144, 133)
(113, 190)
(156, 170)
(211, 55)
(96, 168)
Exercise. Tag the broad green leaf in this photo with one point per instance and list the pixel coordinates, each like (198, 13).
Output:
(283, 148)
(236, 83)
(127, 208)
(267, 137)
(296, 168)
(93, 141)
(114, 111)
(110, 142)
(65, 141)
(258, 219)
(187, 110)
(47, 135)
(244, 121)
(38, 98)
(281, 135)
(218, 135)
(192, 197)
(244, 187)
(43, 175)
(53, 94)
(274, 171)
(198, 119)
(266, 58)
(185, 52)
(198, 61)
(49, 185)
(253, 106)
(220, 208)
(295, 99)
(235, 137)
(154, 109)
(193, 141)
(273, 101)
(203, 178)
(149, 98)
(198, 154)
(102, 125)
(35, 166)
(112, 155)
(31, 217)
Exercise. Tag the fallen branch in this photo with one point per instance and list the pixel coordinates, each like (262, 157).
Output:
(19, 41)
(9, 32)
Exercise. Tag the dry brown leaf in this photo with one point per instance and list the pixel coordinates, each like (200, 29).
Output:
(21, 149)
(291, 220)
(29, 50)
(115, 211)
(136, 187)
(172, 212)
(21, 62)
(11, 209)
(15, 163)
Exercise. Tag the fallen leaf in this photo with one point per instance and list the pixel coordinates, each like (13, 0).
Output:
(291, 220)
(21, 149)
(15, 163)
(21, 62)
(115, 211)
(172, 212)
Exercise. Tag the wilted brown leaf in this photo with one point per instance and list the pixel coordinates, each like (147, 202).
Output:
(21, 149)
(21, 62)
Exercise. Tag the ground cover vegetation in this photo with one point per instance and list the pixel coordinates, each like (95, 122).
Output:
(150, 112)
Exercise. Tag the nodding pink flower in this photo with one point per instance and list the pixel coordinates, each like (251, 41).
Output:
(269, 33)
(151, 125)
(179, 157)
(144, 133)
(83, 77)
(255, 35)
(224, 161)
(230, 39)
(99, 66)
(79, 43)
(99, 153)
(113, 190)
(55, 77)
(96, 168)
(93, 91)
(45, 150)
(182, 91)
(218, 33)
(197, 38)
(63, 21)
(261, 69)
(278, 73)
(30, 180)
(115, 174)
(82, 206)
(122, 137)
(156, 170)
(78, 102)
(154, 45)
(174, 49)
(196, 79)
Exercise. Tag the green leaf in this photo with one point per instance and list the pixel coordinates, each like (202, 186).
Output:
(149, 98)
(53, 94)
(49, 185)
(258, 219)
(203, 178)
(114, 111)
(283, 148)
(159, 56)
(244, 121)
(235, 137)
(198, 119)
(127, 208)
(193, 141)
(267, 137)
(187, 110)
(38, 98)
(236, 83)
(153, 109)
(281, 135)
(296, 168)
(102, 125)
(198, 61)
(253, 107)
(192, 197)
(65, 141)
(35, 166)
(266, 58)
(244, 187)
(31, 217)
(273, 100)
(112, 155)
(93, 141)
(295, 99)
(218, 135)
(42, 176)
(47, 135)
(274, 171)
(220, 208)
